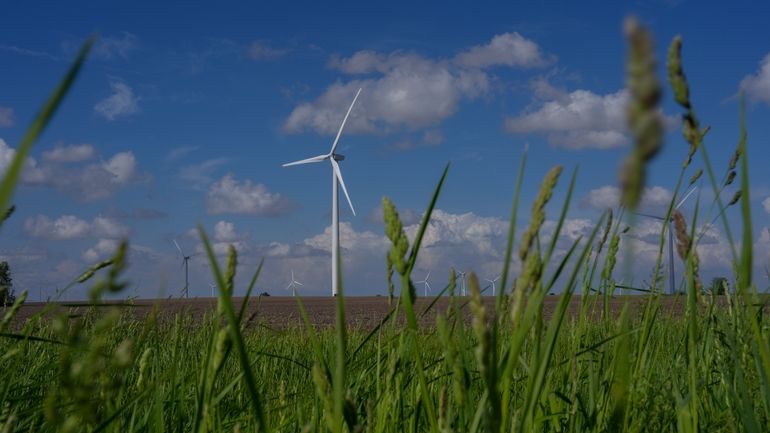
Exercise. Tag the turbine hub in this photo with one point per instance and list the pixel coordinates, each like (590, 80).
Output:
(338, 157)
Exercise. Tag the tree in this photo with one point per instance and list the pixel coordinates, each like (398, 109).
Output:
(6, 284)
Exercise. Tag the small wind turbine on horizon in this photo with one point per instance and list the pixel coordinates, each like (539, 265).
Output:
(212, 286)
(333, 157)
(492, 282)
(185, 259)
(426, 285)
(293, 284)
(672, 279)
(462, 276)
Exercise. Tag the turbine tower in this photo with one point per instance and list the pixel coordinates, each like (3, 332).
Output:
(492, 282)
(185, 259)
(672, 279)
(293, 284)
(462, 275)
(333, 157)
(426, 285)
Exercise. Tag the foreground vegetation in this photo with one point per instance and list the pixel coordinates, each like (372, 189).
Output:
(510, 369)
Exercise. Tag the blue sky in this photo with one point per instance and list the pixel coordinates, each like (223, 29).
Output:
(185, 112)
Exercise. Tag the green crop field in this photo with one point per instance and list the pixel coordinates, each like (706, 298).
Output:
(511, 369)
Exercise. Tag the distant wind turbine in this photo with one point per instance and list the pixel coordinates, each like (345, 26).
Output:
(212, 286)
(426, 285)
(672, 279)
(333, 157)
(293, 284)
(185, 259)
(493, 284)
(462, 275)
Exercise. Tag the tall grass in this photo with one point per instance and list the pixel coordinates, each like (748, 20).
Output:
(510, 367)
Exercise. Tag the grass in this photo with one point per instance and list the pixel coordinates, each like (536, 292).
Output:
(510, 369)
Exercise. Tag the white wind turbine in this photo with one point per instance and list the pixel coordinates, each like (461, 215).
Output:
(212, 286)
(462, 275)
(293, 284)
(333, 157)
(672, 279)
(492, 282)
(426, 285)
(185, 259)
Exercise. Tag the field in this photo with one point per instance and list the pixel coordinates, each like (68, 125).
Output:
(362, 313)
(522, 361)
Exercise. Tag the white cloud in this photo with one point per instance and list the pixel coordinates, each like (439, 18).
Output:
(407, 90)
(508, 49)
(121, 103)
(63, 228)
(68, 227)
(201, 175)
(30, 173)
(766, 205)
(179, 152)
(108, 47)
(72, 153)
(608, 196)
(7, 117)
(261, 50)
(231, 196)
(757, 86)
(577, 120)
(104, 248)
(122, 167)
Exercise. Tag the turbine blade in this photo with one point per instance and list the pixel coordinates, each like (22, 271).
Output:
(289, 286)
(178, 247)
(338, 173)
(337, 138)
(686, 196)
(318, 158)
(427, 276)
(298, 283)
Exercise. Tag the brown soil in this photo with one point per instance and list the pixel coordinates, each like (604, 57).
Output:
(361, 312)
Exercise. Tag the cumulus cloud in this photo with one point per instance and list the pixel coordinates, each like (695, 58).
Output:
(507, 49)
(60, 170)
(121, 103)
(609, 196)
(31, 173)
(228, 195)
(7, 117)
(71, 153)
(757, 86)
(766, 205)
(261, 50)
(68, 227)
(577, 120)
(103, 249)
(407, 90)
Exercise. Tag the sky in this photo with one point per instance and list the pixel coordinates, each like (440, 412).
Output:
(184, 113)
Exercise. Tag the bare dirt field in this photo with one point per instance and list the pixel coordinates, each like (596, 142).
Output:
(361, 312)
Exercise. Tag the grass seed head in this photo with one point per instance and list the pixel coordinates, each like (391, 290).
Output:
(643, 116)
(395, 232)
(736, 197)
(538, 210)
(696, 176)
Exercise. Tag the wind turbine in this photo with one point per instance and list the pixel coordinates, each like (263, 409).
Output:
(426, 285)
(333, 157)
(212, 286)
(185, 259)
(671, 277)
(293, 284)
(493, 284)
(462, 275)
